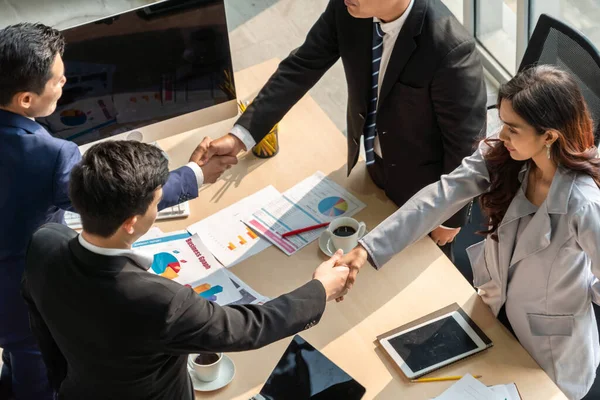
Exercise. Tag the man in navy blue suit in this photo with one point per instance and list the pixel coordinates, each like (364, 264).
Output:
(34, 176)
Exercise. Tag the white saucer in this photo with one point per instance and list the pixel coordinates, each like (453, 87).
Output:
(326, 245)
(225, 377)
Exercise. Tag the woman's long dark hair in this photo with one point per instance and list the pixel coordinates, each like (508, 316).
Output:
(548, 99)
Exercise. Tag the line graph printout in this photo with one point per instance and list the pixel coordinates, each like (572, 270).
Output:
(315, 200)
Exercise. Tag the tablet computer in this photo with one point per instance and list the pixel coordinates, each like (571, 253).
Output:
(434, 341)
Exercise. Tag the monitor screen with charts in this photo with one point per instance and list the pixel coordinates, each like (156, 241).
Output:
(304, 373)
(133, 70)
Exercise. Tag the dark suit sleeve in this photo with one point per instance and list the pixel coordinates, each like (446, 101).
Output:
(181, 186)
(296, 75)
(195, 324)
(56, 364)
(459, 100)
(68, 156)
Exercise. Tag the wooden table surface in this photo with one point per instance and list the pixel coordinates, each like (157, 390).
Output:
(416, 282)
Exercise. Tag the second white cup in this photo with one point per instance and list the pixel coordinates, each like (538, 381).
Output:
(345, 232)
(206, 366)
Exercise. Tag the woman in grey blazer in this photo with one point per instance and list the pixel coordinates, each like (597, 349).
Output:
(539, 186)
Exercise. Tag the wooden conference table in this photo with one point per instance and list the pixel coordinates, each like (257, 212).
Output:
(416, 282)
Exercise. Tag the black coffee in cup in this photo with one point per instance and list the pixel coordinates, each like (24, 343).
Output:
(206, 358)
(344, 231)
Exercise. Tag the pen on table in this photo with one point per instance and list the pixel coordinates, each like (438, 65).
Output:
(441, 378)
(308, 228)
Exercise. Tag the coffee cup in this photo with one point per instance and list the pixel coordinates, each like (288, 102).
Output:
(206, 365)
(344, 233)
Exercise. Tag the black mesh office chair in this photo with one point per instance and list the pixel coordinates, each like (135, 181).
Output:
(556, 43)
(552, 42)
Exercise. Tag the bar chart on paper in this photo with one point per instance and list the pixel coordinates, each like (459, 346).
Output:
(217, 287)
(315, 200)
(227, 237)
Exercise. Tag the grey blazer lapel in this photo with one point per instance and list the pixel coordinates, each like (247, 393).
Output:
(538, 233)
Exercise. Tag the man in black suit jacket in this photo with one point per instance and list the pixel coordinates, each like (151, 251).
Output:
(108, 328)
(430, 96)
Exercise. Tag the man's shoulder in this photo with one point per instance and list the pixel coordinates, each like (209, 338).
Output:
(443, 29)
(50, 235)
(37, 142)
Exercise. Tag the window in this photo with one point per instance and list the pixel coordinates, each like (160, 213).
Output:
(456, 6)
(580, 14)
(496, 30)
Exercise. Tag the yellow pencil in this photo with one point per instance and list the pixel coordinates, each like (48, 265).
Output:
(268, 146)
(441, 378)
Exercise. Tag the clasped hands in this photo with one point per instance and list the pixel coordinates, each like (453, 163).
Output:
(357, 257)
(216, 156)
(354, 260)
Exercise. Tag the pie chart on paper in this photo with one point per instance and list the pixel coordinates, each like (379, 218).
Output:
(167, 265)
(333, 206)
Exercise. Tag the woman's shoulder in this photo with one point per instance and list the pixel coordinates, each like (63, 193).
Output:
(585, 191)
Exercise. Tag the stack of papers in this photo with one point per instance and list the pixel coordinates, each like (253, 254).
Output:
(227, 237)
(183, 258)
(315, 200)
(469, 388)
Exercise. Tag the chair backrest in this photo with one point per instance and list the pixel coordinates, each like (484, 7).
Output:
(554, 42)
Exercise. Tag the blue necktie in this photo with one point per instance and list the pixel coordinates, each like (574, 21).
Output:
(369, 131)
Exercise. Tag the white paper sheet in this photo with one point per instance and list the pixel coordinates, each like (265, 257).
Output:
(180, 257)
(315, 200)
(507, 392)
(248, 295)
(152, 233)
(468, 388)
(217, 287)
(227, 237)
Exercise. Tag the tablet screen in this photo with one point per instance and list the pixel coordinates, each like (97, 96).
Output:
(432, 343)
(305, 373)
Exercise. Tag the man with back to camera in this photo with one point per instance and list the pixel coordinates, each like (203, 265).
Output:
(416, 93)
(34, 172)
(108, 328)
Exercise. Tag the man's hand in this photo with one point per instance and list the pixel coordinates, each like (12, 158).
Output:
(212, 169)
(332, 277)
(354, 260)
(227, 145)
(442, 236)
(215, 167)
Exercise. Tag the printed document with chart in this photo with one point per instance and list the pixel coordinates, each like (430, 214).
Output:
(227, 237)
(315, 200)
(184, 259)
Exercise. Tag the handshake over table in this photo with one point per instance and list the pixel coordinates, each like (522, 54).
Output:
(216, 156)
(337, 274)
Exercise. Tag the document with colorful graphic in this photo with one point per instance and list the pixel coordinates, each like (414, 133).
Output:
(227, 237)
(217, 287)
(180, 257)
(315, 200)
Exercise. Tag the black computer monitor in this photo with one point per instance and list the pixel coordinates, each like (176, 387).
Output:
(156, 71)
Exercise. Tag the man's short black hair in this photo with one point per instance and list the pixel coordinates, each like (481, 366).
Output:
(114, 181)
(27, 52)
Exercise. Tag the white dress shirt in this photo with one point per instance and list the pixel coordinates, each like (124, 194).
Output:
(143, 260)
(197, 171)
(392, 30)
